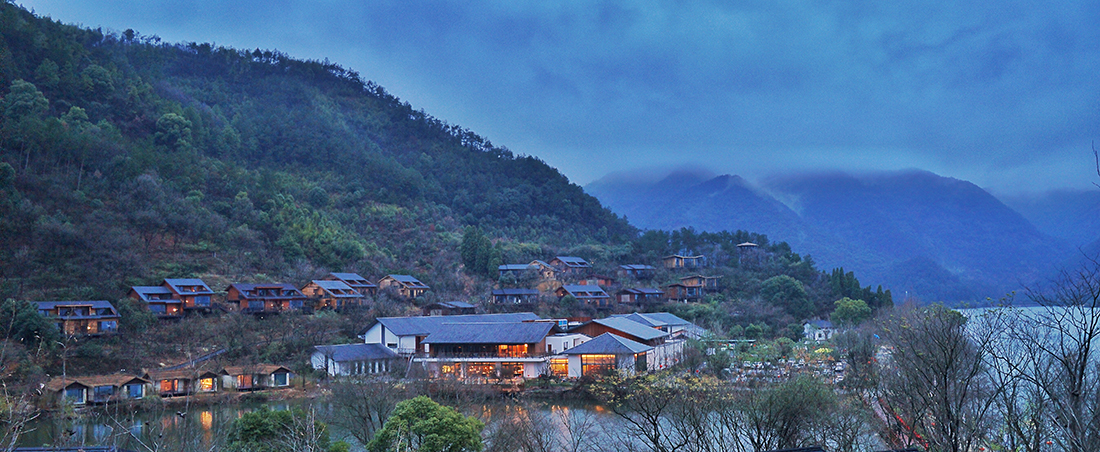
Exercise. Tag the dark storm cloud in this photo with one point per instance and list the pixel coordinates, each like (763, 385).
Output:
(997, 93)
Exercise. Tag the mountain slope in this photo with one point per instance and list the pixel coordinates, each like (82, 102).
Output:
(684, 199)
(932, 237)
(126, 159)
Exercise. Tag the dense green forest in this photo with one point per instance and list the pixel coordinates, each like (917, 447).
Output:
(129, 159)
(125, 160)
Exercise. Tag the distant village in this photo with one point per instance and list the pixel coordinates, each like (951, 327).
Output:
(449, 340)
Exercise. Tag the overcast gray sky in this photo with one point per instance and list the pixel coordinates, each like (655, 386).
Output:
(1005, 94)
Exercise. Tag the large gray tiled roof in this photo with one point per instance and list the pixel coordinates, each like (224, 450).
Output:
(356, 352)
(489, 333)
(631, 327)
(410, 326)
(654, 319)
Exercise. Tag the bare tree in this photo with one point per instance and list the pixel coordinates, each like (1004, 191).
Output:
(362, 406)
(936, 379)
(1062, 340)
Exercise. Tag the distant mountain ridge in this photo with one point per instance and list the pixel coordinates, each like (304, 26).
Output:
(928, 236)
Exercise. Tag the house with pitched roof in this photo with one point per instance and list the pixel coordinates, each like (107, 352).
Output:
(639, 295)
(192, 292)
(818, 330)
(664, 321)
(589, 294)
(709, 284)
(255, 377)
(97, 389)
(449, 308)
(353, 359)
(637, 271)
(682, 293)
(515, 296)
(403, 285)
(181, 382)
(327, 294)
(266, 298)
(570, 264)
(359, 283)
(666, 352)
(81, 318)
(680, 262)
(608, 353)
(159, 299)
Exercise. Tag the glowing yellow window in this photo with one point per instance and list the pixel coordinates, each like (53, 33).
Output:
(206, 384)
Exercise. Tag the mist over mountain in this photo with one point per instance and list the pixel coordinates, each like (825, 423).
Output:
(928, 236)
(1069, 215)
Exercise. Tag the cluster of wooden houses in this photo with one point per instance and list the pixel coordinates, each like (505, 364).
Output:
(174, 297)
(480, 347)
(572, 276)
(102, 389)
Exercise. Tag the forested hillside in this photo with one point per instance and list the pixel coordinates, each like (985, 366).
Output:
(126, 159)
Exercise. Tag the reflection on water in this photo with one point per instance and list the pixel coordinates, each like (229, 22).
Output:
(195, 428)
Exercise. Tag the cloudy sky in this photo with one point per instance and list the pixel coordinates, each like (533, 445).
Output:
(1005, 94)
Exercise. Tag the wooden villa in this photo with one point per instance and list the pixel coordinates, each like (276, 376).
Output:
(159, 299)
(637, 271)
(680, 262)
(269, 298)
(326, 294)
(586, 293)
(403, 285)
(353, 280)
(194, 294)
(640, 295)
(81, 318)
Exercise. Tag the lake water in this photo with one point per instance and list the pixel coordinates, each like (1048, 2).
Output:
(204, 427)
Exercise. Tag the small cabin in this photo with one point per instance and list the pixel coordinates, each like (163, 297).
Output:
(353, 280)
(585, 293)
(403, 285)
(159, 299)
(680, 262)
(326, 294)
(570, 264)
(256, 377)
(640, 295)
(637, 271)
(181, 382)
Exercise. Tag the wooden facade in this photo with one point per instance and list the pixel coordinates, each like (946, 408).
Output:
(403, 285)
(81, 318)
(194, 294)
(159, 299)
(683, 293)
(256, 377)
(639, 296)
(182, 382)
(326, 294)
(680, 262)
(272, 298)
(353, 280)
